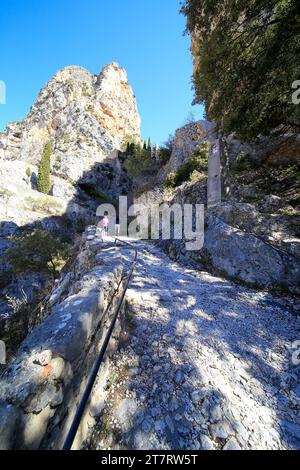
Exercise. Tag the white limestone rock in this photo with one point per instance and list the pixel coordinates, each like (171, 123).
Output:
(85, 116)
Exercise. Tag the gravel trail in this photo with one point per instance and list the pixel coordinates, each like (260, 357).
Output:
(207, 364)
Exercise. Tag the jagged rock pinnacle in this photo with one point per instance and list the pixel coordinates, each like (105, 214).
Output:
(85, 116)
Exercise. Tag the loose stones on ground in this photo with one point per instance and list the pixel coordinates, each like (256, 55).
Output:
(203, 371)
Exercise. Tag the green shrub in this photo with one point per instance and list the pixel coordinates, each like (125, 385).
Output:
(43, 180)
(37, 251)
(6, 193)
(170, 181)
(127, 142)
(195, 166)
(242, 162)
(183, 173)
(28, 175)
(43, 204)
(290, 171)
(86, 93)
(197, 176)
(164, 155)
(139, 161)
(95, 193)
(199, 161)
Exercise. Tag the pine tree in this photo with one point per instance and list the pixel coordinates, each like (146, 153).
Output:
(43, 181)
(37, 251)
(132, 148)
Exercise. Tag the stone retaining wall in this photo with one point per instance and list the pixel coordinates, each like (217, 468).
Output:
(39, 392)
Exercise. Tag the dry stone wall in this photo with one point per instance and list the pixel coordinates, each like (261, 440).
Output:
(40, 390)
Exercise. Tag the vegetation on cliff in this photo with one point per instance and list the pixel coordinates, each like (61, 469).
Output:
(192, 170)
(246, 61)
(43, 181)
(37, 251)
(139, 160)
(145, 161)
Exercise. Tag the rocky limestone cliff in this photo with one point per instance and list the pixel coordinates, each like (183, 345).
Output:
(185, 141)
(88, 118)
(252, 236)
(85, 116)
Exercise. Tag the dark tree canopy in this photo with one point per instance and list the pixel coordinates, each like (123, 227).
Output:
(37, 251)
(139, 162)
(246, 59)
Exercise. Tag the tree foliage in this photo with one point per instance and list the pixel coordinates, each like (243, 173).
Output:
(246, 60)
(37, 251)
(192, 169)
(139, 161)
(164, 155)
(43, 180)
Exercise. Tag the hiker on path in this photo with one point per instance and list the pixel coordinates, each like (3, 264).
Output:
(105, 223)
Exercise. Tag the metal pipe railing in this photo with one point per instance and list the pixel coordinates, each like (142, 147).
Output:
(83, 402)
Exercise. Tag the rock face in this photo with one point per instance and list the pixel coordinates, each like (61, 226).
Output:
(243, 255)
(253, 234)
(186, 139)
(86, 117)
(247, 258)
(265, 221)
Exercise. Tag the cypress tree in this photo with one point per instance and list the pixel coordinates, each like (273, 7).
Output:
(149, 144)
(43, 181)
(132, 148)
(28, 174)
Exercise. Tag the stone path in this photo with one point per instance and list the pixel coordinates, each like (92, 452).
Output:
(207, 365)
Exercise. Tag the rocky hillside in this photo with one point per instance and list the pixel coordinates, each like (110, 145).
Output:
(88, 119)
(231, 381)
(252, 235)
(85, 116)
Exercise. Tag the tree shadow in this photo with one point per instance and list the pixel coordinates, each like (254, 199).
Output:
(226, 353)
(65, 217)
(214, 366)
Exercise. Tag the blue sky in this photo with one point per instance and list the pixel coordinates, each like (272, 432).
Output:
(38, 37)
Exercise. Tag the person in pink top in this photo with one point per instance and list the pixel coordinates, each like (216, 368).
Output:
(105, 223)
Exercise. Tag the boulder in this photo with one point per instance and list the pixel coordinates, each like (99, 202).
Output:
(242, 256)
